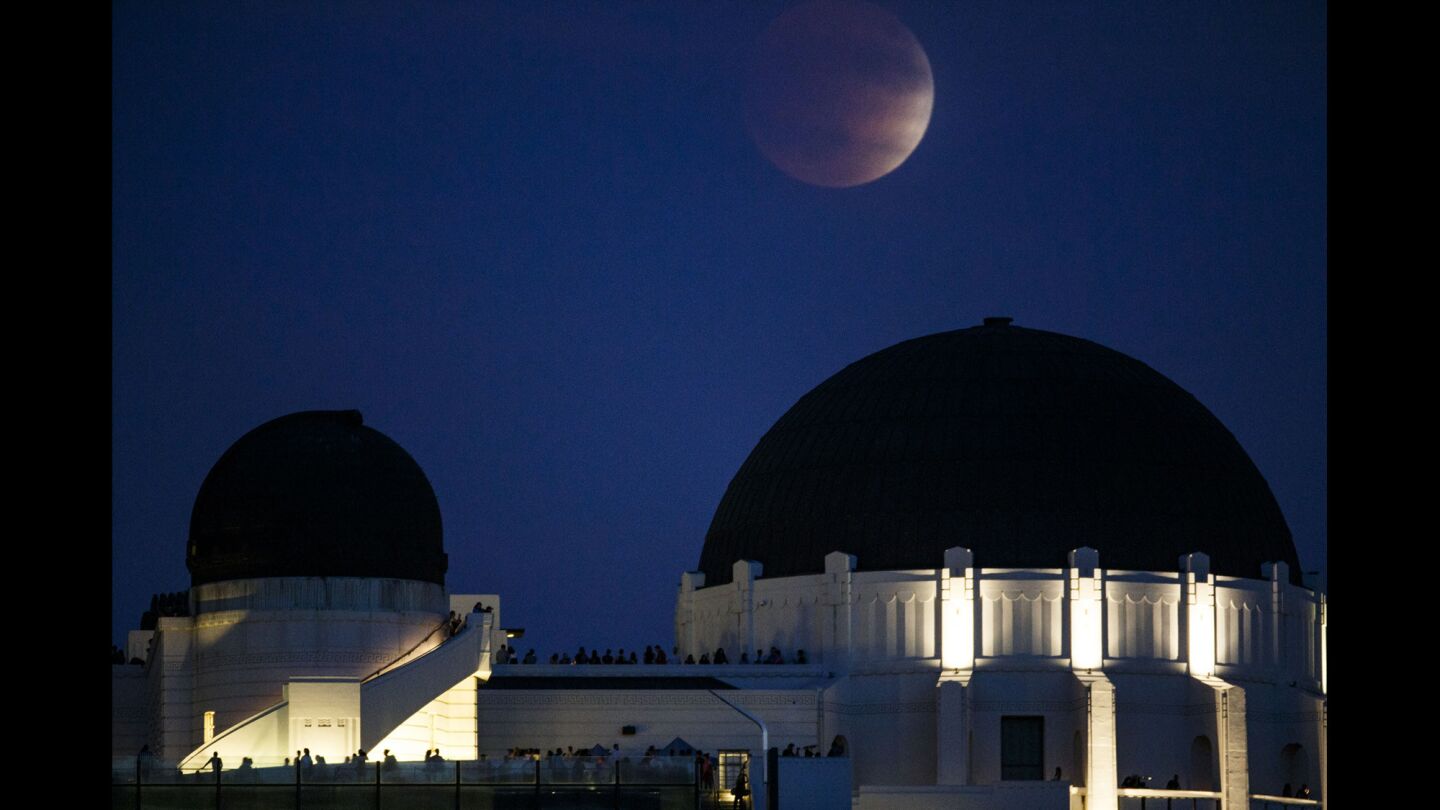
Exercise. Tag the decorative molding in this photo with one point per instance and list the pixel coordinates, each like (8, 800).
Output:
(910, 707)
(1029, 706)
(1164, 709)
(1284, 717)
(1129, 597)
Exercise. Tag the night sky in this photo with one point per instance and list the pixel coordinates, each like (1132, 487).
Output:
(534, 244)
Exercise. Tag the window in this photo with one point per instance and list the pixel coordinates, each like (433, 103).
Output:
(1022, 748)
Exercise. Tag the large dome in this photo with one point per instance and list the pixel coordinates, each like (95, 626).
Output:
(1016, 443)
(316, 494)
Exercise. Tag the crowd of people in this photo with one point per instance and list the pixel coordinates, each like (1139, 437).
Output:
(653, 655)
(165, 604)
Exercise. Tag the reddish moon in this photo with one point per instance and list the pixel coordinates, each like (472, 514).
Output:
(839, 93)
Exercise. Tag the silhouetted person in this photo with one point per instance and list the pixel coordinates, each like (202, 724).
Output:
(660, 657)
(789, 750)
(214, 762)
(689, 659)
(632, 656)
(529, 657)
(1056, 778)
(649, 654)
(607, 658)
(744, 657)
(389, 762)
(720, 657)
(594, 657)
(775, 656)
(800, 657)
(1285, 791)
(705, 658)
(1304, 792)
(741, 789)
(581, 657)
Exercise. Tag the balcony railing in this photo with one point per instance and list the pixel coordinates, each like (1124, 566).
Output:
(657, 783)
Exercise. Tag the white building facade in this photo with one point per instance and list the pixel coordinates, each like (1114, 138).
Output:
(1021, 567)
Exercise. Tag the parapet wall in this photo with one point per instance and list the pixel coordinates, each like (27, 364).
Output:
(1262, 629)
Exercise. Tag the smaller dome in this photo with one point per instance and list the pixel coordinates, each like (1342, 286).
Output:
(316, 493)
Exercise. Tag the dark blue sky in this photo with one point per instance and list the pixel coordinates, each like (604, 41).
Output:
(534, 244)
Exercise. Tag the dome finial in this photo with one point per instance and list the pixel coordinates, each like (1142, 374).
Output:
(998, 320)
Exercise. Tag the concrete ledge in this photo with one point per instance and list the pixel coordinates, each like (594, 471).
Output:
(999, 796)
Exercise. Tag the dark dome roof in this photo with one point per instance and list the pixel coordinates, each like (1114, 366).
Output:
(1016, 443)
(316, 494)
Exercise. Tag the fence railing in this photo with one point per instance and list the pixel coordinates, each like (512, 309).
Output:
(1261, 801)
(1155, 799)
(659, 783)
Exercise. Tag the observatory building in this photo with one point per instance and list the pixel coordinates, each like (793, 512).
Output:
(1022, 567)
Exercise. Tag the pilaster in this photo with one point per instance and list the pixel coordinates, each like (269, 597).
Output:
(957, 611)
(839, 572)
(743, 575)
(1086, 595)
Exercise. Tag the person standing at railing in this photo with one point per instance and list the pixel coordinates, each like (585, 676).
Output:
(215, 762)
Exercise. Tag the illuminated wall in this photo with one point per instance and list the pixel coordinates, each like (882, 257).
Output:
(1157, 656)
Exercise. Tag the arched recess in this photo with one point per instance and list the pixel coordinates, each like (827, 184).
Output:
(1202, 765)
(1295, 766)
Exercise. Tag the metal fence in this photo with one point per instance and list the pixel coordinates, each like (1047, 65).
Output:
(656, 783)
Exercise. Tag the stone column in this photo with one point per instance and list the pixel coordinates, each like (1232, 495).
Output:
(1086, 593)
(1234, 747)
(1324, 754)
(1199, 619)
(1279, 575)
(957, 610)
(690, 582)
(839, 570)
(744, 573)
(1100, 745)
(952, 729)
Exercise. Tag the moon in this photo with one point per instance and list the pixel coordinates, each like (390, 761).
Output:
(839, 93)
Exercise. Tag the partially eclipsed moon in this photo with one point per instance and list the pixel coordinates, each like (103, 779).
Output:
(839, 93)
